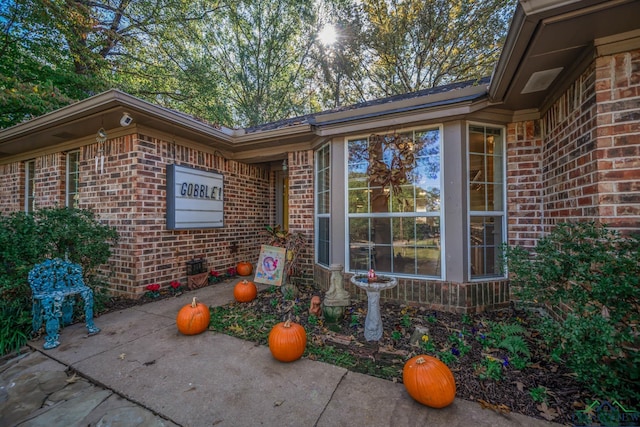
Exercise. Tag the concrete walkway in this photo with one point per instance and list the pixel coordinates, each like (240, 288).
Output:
(140, 371)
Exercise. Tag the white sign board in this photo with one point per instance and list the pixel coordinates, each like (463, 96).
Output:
(195, 198)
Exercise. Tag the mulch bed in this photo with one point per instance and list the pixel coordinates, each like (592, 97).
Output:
(564, 396)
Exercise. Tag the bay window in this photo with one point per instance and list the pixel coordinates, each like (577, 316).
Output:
(393, 203)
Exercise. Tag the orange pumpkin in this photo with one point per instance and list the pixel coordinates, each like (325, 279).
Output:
(193, 318)
(429, 381)
(244, 268)
(287, 341)
(245, 291)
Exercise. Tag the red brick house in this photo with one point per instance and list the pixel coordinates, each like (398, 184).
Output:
(552, 136)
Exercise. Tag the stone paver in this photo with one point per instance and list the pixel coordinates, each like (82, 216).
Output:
(140, 371)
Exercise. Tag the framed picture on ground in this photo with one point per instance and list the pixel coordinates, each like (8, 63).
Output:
(270, 268)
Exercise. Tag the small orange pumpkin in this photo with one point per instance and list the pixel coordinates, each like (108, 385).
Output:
(287, 341)
(193, 318)
(244, 268)
(245, 291)
(429, 381)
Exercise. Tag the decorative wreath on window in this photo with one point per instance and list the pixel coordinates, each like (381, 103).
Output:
(402, 163)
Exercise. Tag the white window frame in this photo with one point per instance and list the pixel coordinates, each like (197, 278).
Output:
(322, 215)
(29, 185)
(498, 214)
(439, 214)
(71, 194)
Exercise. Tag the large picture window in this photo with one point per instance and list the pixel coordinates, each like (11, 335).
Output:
(323, 205)
(394, 193)
(486, 200)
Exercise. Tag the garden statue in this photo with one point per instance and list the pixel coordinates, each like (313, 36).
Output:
(336, 298)
(315, 309)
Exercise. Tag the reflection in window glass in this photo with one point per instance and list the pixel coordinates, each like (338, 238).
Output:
(486, 239)
(394, 203)
(29, 186)
(486, 200)
(73, 179)
(323, 204)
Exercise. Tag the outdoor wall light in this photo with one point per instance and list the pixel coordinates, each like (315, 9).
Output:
(126, 119)
(284, 165)
(101, 136)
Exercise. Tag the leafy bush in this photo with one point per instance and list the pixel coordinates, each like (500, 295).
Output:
(27, 239)
(589, 276)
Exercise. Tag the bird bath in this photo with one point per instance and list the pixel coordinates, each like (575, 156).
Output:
(373, 321)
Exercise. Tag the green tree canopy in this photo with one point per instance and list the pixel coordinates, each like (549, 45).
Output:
(239, 63)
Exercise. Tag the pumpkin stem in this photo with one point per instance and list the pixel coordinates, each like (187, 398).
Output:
(287, 324)
(193, 303)
(244, 282)
(420, 361)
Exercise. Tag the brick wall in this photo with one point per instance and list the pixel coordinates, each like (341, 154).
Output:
(473, 297)
(524, 183)
(570, 170)
(581, 161)
(130, 194)
(11, 187)
(301, 206)
(617, 86)
(153, 254)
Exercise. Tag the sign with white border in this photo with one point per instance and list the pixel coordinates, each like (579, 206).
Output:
(195, 198)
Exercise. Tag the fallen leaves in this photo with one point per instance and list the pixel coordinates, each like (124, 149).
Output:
(500, 408)
(546, 412)
(74, 378)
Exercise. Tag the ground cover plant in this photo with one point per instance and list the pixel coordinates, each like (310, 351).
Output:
(498, 358)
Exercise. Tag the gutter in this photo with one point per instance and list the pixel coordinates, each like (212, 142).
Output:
(435, 104)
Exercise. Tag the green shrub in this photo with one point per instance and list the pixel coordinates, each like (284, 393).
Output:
(589, 276)
(27, 239)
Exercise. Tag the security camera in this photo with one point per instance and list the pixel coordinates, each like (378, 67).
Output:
(126, 119)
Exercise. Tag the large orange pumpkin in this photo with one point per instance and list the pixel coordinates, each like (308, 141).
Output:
(429, 381)
(245, 291)
(244, 268)
(287, 341)
(193, 318)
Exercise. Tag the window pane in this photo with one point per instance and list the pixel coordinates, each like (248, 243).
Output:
(478, 197)
(403, 200)
(359, 231)
(428, 261)
(404, 231)
(323, 240)
(358, 201)
(486, 239)
(358, 152)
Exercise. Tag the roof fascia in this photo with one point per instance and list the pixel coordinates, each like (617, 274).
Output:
(439, 111)
(409, 104)
(105, 101)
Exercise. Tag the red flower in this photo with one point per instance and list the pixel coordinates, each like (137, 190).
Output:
(153, 287)
(175, 284)
(231, 271)
(214, 273)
